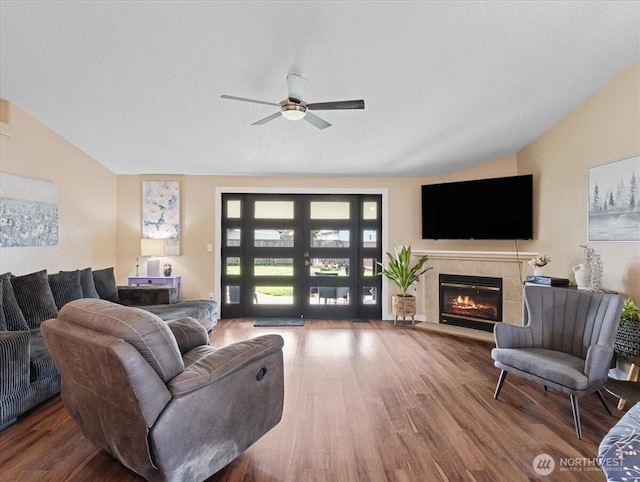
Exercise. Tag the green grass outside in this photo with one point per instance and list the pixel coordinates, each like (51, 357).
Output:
(279, 270)
(275, 290)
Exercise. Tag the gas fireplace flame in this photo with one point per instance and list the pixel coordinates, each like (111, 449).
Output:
(467, 303)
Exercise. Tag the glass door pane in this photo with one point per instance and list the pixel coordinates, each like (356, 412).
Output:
(369, 252)
(330, 210)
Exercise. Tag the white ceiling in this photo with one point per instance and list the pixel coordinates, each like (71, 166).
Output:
(137, 84)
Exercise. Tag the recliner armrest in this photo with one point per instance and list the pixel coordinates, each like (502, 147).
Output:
(14, 361)
(220, 363)
(189, 333)
(512, 336)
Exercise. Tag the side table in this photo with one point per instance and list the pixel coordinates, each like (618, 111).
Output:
(174, 281)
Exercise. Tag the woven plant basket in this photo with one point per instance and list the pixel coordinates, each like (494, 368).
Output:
(628, 338)
(403, 305)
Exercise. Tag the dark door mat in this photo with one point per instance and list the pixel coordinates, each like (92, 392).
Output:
(279, 322)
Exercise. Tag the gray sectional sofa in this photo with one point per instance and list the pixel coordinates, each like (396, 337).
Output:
(28, 375)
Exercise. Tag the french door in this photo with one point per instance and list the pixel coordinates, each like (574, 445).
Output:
(294, 255)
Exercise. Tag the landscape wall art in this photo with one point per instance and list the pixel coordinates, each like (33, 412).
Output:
(614, 201)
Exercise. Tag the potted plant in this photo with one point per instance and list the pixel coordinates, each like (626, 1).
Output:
(628, 337)
(404, 274)
(538, 263)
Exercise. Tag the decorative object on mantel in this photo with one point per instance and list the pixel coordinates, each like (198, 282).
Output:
(628, 337)
(538, 263)
(593, 265)
(580, 274)
(167, 269)
(547, 281)
(404, 275)
(614, 201)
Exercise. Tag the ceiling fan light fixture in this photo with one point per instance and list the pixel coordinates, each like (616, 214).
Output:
(293, 111)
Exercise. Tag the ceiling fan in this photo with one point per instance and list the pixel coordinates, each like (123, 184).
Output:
(294, 108)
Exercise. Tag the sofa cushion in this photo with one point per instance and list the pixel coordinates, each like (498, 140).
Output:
(105, 283)
(565, 369)
(3, 322)
(189, 333)
(143, 330)
(12, 314)
(87, 283)
(34, 297)
(65, 287)
(40, 361)
(203, 310)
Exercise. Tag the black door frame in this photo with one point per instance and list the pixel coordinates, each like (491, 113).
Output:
(381, 195)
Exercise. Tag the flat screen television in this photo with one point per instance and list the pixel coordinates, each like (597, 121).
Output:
(499, 208)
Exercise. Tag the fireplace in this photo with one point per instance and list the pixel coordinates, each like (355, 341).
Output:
(470, 301)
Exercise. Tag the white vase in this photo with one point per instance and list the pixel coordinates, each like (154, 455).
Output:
(580, 274)
(538, 271)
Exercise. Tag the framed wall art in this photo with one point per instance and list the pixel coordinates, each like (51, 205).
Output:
(161, 213)
(614, 201)
(28, 212)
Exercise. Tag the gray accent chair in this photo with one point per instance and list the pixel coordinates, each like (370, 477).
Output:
(566, 342)
(156, 396)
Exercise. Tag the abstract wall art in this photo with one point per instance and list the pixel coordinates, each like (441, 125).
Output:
(161, 213)
(28, 212)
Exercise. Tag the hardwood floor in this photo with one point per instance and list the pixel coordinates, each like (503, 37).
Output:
(363, 402)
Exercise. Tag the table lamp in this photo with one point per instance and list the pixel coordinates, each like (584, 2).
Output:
(152, 248)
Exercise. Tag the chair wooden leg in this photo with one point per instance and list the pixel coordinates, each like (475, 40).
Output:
(604, 402)
(503, 376)
(576, 415)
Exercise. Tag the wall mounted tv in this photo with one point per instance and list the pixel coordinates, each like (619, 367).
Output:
(499, 208)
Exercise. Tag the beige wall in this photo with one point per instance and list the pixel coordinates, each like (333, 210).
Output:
(198, 205)
(604, 128)
(86, 197)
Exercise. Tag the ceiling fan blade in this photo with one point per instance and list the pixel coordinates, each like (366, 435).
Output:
(341, 104)
(316, 121)
(267, 119)
(243, 99)
(296, 87)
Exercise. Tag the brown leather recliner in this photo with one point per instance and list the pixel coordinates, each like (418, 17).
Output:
(156, 396)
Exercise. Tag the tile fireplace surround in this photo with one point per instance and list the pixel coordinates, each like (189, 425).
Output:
(512, 267)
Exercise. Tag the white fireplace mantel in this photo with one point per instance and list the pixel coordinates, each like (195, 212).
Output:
(521, 256)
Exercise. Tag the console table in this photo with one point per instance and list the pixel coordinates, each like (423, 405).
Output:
(156, 280)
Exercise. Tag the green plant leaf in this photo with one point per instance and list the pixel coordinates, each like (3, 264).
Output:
(630, 311)
(399, 268)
